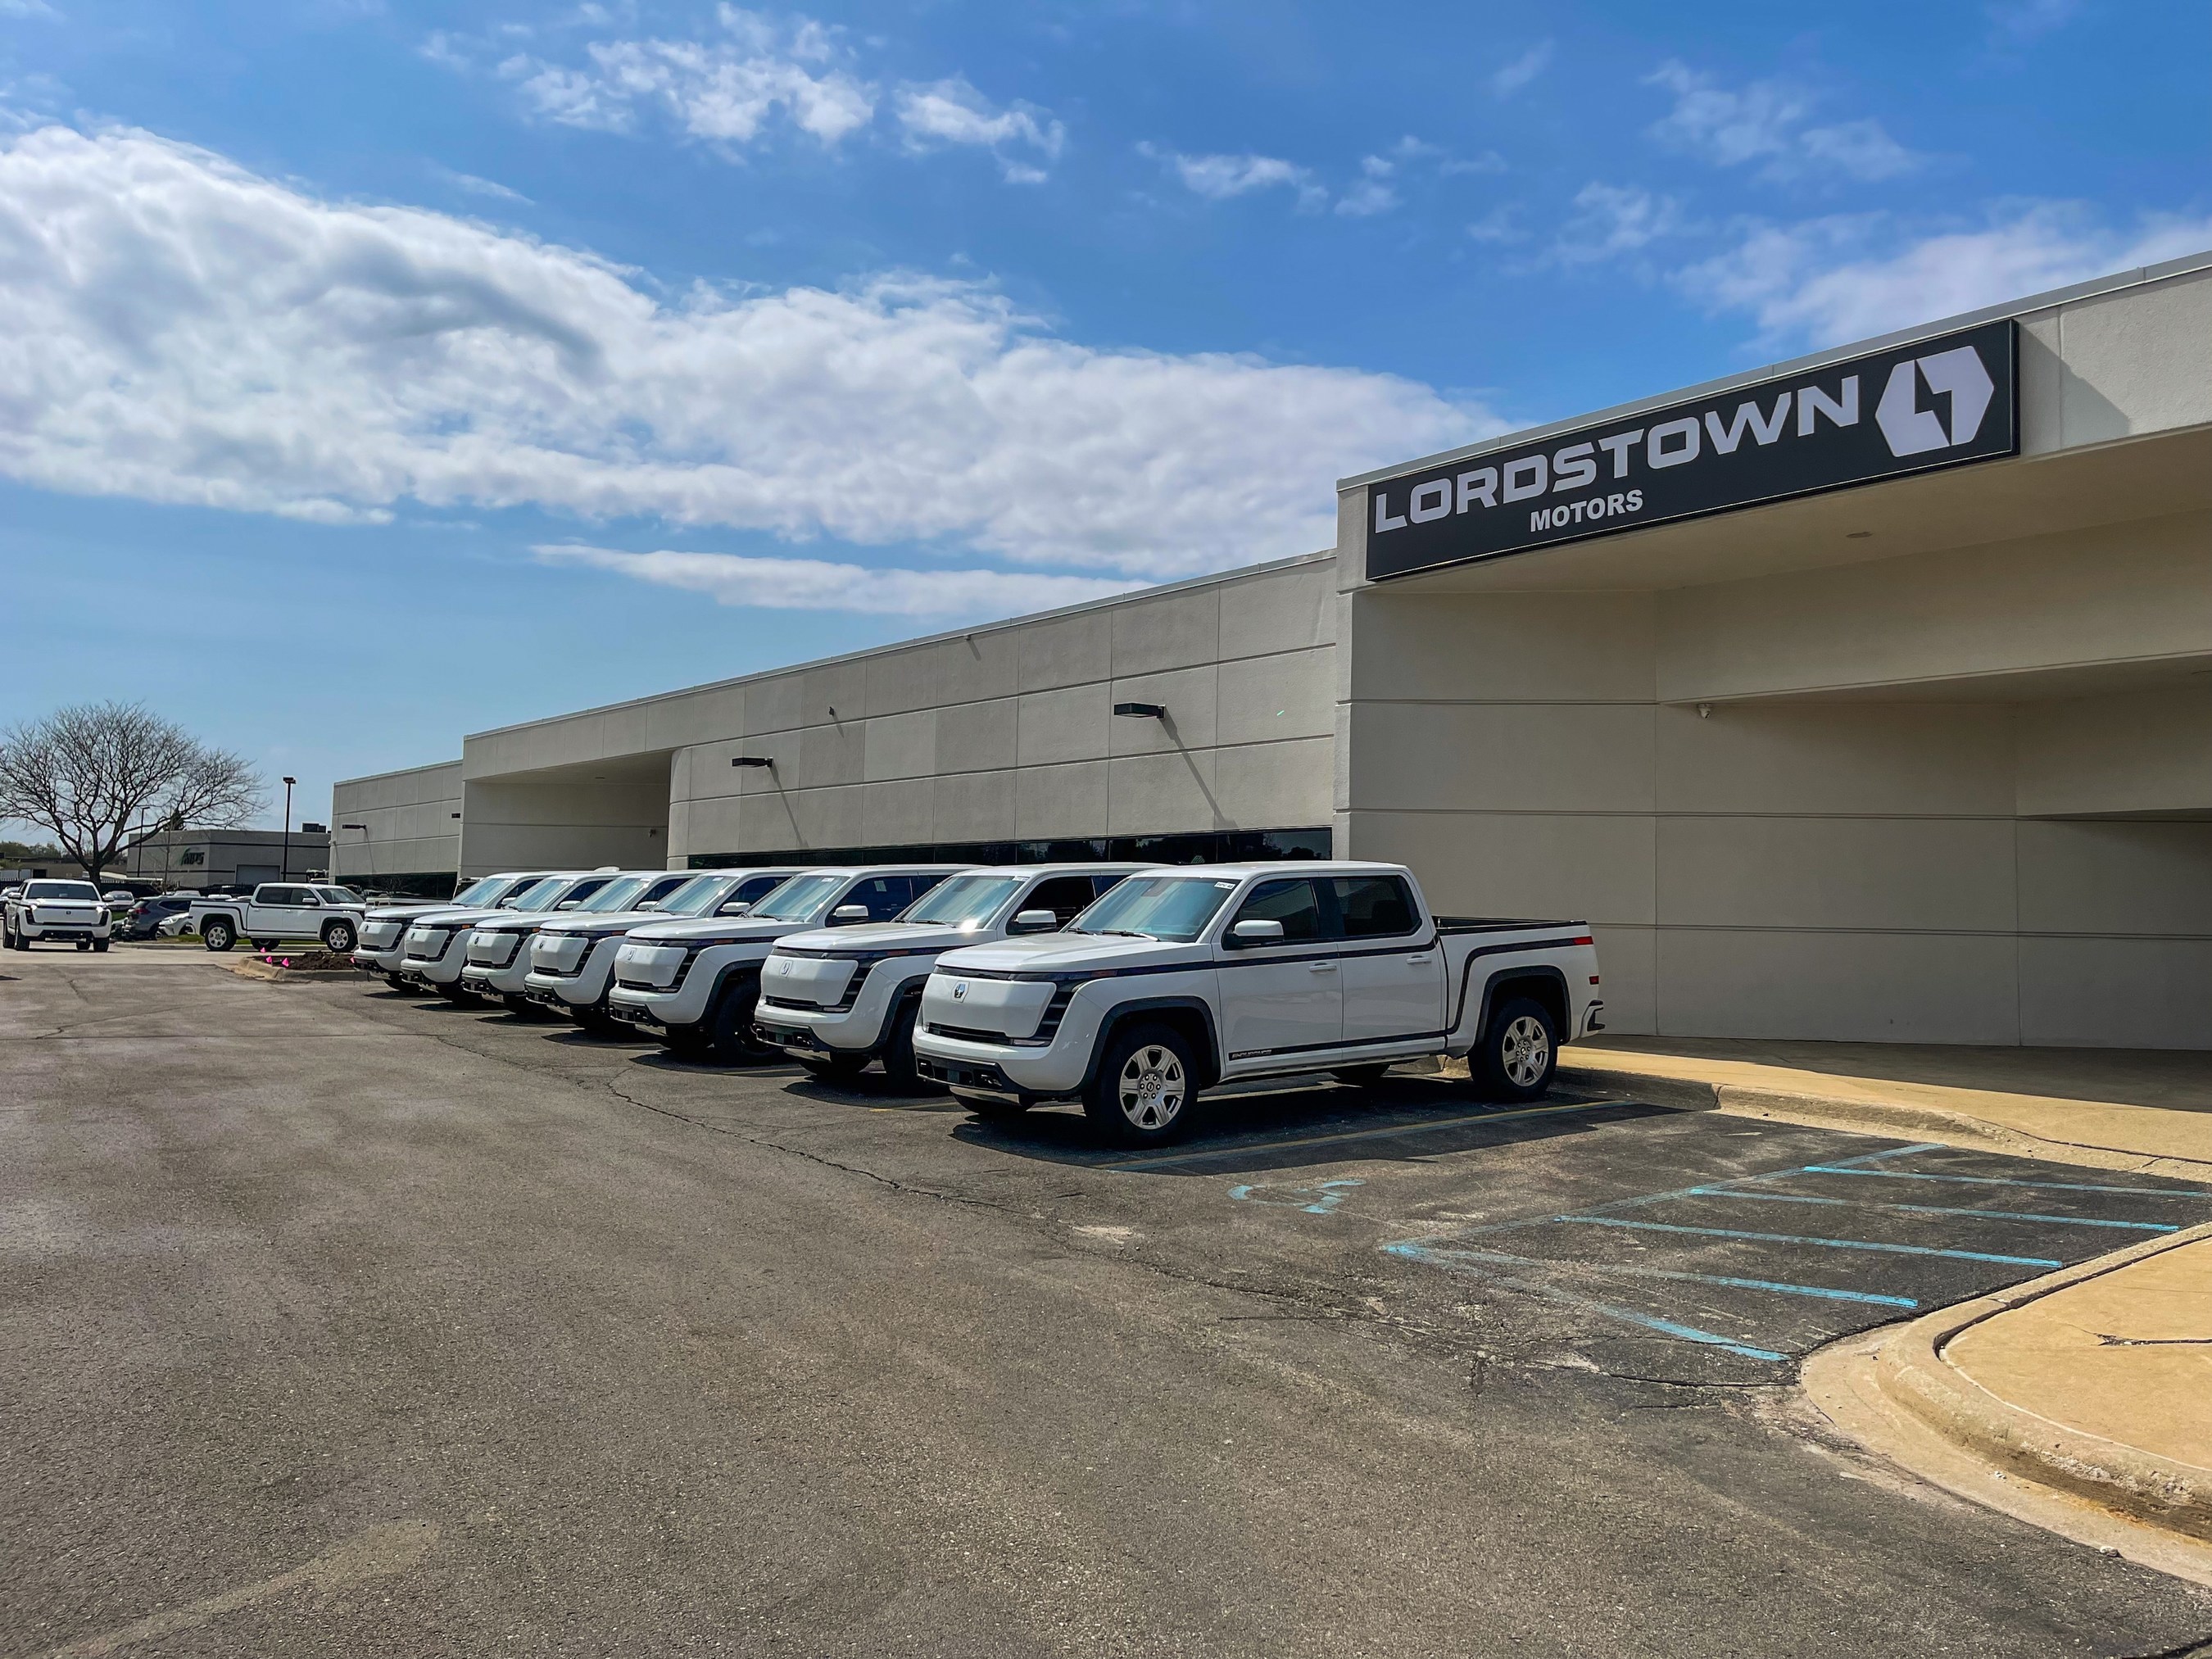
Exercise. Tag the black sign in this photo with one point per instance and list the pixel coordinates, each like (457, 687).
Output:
(1933, 403)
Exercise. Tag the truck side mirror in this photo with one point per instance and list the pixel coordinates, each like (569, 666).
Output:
(1035, 921)
(569, 904)
(736, 908)
(1255, 930)
(846, 914)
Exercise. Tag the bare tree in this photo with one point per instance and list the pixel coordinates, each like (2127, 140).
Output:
(88, 773)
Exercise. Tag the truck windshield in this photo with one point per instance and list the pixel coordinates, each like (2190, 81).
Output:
(798, 899)
(699, 896)
(965, 902)
(61, 890)
(616, 894)
(532, 896)
(484, 889)
(1171, 907)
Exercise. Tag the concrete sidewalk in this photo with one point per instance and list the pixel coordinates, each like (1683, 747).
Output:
(2081, 1401)
(2148, 1111)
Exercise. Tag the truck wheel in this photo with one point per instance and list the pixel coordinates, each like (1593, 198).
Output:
(1519, 1053)
(835, 1068)
(337, 936)
(99, 944)
(899, 1071)
(687, 1041)
(1141, 1093)
(996, 1112)
(217, 934)
(460, 998)
(734, 1042)
(1359, 1076)
(521, 1006)
(396, 983)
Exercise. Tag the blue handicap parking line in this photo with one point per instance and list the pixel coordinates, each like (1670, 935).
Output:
(2002, 1181)
(1931, 1209)
(1634, 1271)
(1824, 1244)
(1415, 1251)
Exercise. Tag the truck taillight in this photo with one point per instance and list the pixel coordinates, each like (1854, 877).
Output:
(1584, 940)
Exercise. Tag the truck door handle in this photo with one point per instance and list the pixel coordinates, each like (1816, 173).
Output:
(1322, 968)
(1418, 959)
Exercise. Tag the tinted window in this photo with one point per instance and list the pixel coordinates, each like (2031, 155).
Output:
(753, 889)
(1291, 900)
(1066, 896)
(616, 895)
(884, 895)
(287, 895)
(531, 893)
(1374, 906)
(61, 890)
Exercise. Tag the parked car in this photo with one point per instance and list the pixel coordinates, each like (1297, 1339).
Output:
(143, 920)
(835, 999)
(54, 909)
(384, 927)
(496, 961)
(572, 958)
(178, 926)
(1175, 980)
(435, 947)
(694, 984)
(277, 911)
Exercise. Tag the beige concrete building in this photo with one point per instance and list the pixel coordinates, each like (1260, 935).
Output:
(1928, 757)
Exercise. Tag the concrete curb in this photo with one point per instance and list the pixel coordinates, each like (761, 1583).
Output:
(1907, 1120)
(268, 972)
(1911, 1372)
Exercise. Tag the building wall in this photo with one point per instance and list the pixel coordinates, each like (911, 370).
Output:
(527, 823)
(412, 832)
(1008, 734)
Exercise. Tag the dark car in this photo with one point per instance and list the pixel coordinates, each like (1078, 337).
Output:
(149, 913)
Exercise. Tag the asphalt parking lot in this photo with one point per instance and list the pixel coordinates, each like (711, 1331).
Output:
(333, 1321)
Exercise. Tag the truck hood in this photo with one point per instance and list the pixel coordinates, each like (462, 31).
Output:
(715, 930)
(403, 912)
(450, 918)
(879, 936)
(518, 922)
(1062, 953)
(600, 924)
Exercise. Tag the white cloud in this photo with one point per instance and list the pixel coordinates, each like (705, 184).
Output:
(825, 585)
(2023, 21)
(183, 330)
(952, 112)
(1830, 281)
(1610, 220)
(1523, 69)
(1765, 122)
(1372, 193)
(1500, 224)
(27, 8)
(475, 186)
(1217, 178)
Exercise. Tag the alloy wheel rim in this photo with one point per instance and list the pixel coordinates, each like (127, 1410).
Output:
(1526, 1050)
(1152, 1087)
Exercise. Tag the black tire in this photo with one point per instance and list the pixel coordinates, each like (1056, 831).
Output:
(84, 944)
(598, 1021)
(1142, 1092)
(217, 933)
(1359, 1076)
(732, 1038)
(100, 945)
(396, 983)
(519, 1005)
(996, 1112)
(687, 1041)
(899, 1072)
(835, 1068)
(339, 936)
(1519, 1053)
(460, 998)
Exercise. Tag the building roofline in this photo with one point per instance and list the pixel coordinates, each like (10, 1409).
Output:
(1211, 579)
(2137, 277)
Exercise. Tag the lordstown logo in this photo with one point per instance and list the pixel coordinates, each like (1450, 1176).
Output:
(1958, 375)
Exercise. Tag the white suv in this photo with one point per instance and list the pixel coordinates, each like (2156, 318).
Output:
(435, 948)
(498, 949)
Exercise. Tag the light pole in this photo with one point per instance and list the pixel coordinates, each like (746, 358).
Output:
(289, 782)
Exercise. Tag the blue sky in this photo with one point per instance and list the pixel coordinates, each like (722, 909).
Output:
(379, 372)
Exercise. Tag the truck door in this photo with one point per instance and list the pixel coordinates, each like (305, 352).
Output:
(1393, 976)
(280, 912)
(1280, 996)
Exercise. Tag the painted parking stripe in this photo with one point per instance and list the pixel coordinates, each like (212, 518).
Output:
(1823, 1291)
(2000, 1180)
(1932, 1209)
(1824, 1244)
(1246, 1149)
(1625, 1316)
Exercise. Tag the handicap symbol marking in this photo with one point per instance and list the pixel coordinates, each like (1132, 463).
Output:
(1321, 1199)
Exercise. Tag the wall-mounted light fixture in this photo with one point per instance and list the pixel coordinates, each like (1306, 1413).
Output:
(456, 815)
(362, 827)
(1141, 711)
(750, 760)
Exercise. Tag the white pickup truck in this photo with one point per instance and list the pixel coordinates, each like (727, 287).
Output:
(435, 948)
(70, 912)
(835, 999)
(279, 910)
(1175, 980)
(497, 962)
(695, 983)
(572, 960)
(384, 930)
